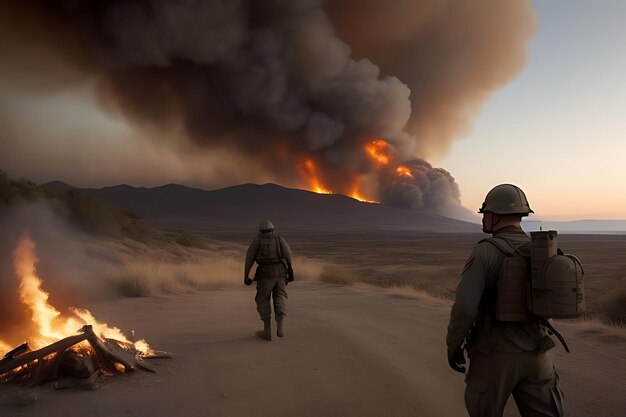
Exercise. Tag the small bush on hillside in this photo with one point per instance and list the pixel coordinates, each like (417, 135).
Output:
(90, 214)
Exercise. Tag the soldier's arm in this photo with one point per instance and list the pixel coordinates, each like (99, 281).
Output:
(286, 250)
(250, 256)
(468, 295)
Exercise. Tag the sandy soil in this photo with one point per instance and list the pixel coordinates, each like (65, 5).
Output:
(348, 351)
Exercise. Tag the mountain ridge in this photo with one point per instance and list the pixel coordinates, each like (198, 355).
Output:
(242, 206)
(125, 197)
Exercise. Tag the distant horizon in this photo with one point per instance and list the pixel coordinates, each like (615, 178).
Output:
(534, 219)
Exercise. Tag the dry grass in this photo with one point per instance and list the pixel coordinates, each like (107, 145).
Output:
(615, 306)
(408, 291)
(176, 270)
(173, 269)
(307, 269)
(150, 277)
(338, 275)
(599, 328)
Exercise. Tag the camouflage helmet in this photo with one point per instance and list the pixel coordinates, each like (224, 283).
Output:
(506, 199)
(266, 226)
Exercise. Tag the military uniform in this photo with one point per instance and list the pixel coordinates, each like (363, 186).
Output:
(505, 357)
(273, 256)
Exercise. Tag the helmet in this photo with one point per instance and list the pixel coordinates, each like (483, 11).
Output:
(266, 226)
(506, 199)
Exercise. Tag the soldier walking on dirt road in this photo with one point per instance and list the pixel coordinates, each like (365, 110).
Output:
(273, 256)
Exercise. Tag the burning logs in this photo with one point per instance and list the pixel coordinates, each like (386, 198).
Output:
(80, 357)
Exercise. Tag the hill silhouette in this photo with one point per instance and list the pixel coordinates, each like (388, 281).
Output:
(241, 207)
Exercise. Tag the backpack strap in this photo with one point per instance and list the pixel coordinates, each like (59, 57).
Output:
(504, 245)
(280, 252)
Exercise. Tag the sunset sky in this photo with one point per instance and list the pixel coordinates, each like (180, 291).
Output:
(557, 129)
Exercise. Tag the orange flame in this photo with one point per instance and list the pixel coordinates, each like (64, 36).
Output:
(357, 196)
(50, 324)
(309, 171)
(315, 184)
(378, 150)
(403, 171)
(4, 347)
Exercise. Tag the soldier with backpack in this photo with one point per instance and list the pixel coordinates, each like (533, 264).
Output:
(501, 309)
(273, 257)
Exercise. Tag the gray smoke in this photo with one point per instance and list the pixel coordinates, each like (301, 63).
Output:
(278, 81)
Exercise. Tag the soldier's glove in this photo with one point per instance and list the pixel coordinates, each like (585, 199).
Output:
(456, 359)
(247, 281)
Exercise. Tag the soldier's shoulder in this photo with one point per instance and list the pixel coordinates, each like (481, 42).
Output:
(486, 248)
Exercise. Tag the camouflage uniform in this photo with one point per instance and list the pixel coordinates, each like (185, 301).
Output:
(270, 275)
(505, 357)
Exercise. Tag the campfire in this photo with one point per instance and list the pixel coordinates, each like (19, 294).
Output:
(72, 350)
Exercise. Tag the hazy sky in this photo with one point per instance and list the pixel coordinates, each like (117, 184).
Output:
(559, 129)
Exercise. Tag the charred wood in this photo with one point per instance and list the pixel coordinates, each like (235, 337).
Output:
(23, 348)
(56, 347)
(58, 361)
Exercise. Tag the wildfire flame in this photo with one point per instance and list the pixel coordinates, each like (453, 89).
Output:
(379, 150)
(403, 171)
(50, 324)
(310, 172)
(355, 194)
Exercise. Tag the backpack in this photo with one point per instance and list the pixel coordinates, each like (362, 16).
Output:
(538, 281)
(269, 252)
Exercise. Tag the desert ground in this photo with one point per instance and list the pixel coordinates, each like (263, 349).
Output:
(365, 336)
(431, 262)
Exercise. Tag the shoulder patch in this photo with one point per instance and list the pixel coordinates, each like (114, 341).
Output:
(468, 263)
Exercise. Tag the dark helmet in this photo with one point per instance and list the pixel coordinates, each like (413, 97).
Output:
(506, 199)
(266, 226)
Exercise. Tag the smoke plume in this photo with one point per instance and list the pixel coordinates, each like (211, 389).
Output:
(300, 87)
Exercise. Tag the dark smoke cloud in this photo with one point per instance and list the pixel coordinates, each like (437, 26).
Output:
(426, 187)
(281, 81)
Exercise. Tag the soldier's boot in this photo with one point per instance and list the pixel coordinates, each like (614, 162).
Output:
(279, 328)
(266, 333)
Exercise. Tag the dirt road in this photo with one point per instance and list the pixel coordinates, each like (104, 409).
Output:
(348, 351)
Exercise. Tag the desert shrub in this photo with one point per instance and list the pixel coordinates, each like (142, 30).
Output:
(306, 269)
(93, 215)
(88, 213)
(142, 279)
(615, 306)
(12, 190)
(152, 276)
(188, 240)
(337, 275)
